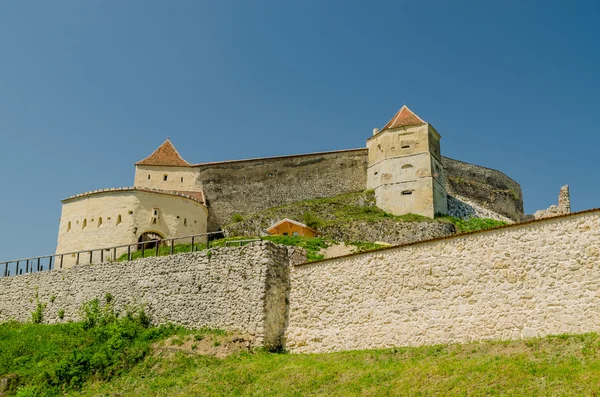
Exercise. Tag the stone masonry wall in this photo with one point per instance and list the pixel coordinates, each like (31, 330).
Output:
(249, 186)
(463, 208)
(519, 281)
(242, 289)
(485, 187)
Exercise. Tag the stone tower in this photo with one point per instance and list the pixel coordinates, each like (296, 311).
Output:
(405, 168)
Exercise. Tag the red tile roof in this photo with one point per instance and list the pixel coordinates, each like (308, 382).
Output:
(166, 154)
(404, 118)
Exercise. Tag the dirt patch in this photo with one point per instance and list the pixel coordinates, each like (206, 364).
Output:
(337, 250)
(219, 346)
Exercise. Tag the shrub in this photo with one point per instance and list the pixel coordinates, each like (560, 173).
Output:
(237, 218)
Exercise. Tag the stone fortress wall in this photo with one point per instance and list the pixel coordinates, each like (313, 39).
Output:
(249, 186)
(240, 289)
(523, 280)
(484, 187)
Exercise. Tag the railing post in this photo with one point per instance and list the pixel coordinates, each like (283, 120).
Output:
(157, 245)
(17, 269)
(114, 254)
(143, 248)
(61, 261)
(38, 264)
(77, 259)
(207, 242)
(172, 245)
(50, 263)
(128, 253)
(101, 256)
(192, 244)
(6, 269)
(91, 257)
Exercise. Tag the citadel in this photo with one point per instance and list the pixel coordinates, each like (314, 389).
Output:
(171, 197)
(536, 275)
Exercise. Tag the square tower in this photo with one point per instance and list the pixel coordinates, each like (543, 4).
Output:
(405, 168)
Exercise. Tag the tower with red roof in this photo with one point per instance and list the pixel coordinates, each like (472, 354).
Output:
(405, 168)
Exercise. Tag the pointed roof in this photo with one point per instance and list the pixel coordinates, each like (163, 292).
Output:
(404, 118)
(166, 154)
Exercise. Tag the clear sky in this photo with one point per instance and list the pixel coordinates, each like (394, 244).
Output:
(87, 88)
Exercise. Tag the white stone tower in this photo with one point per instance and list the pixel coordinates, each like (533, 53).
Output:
(405, 168)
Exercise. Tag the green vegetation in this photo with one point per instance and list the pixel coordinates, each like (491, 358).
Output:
(312, 246)
(338, 211)
(53, 359)
(473, 224)
(237, 218)
(113, 360)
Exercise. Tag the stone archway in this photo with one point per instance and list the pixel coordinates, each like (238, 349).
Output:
(149, 236)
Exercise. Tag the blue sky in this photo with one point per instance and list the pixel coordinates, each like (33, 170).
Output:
(88, 88)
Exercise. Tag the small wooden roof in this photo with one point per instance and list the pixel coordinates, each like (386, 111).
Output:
(287, 220)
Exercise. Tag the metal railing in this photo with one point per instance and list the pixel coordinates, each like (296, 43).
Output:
(56, 261)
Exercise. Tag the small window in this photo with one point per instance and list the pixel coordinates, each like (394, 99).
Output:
(165, 177)
(84, 224)
(184, 221)
(130, 212)
(99, 221)
(118, 219)
(148, 176)
(405, 166)
(154, 221)
(69, 226)
(285, 234)
(406, 192)
(155, 211)
(177, 216)
(295, 234)
(181, 179)
(405, 146)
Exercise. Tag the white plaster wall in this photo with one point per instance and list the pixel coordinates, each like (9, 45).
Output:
(177, 216)
(521, 281)
(174, 178)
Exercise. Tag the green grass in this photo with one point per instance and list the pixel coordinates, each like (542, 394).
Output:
(107, 355)
(562, 365)
(473, 224)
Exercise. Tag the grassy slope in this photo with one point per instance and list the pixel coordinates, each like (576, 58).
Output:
(112, 360)
(330, 211)
(564, 365)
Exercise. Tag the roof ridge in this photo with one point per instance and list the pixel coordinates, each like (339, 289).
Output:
(165, 154)
(403, 118)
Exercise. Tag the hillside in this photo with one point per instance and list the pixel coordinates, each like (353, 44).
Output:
(347, 217)
(125, 358)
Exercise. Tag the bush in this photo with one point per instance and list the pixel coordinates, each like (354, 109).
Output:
(237, 218)
(51, 359)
